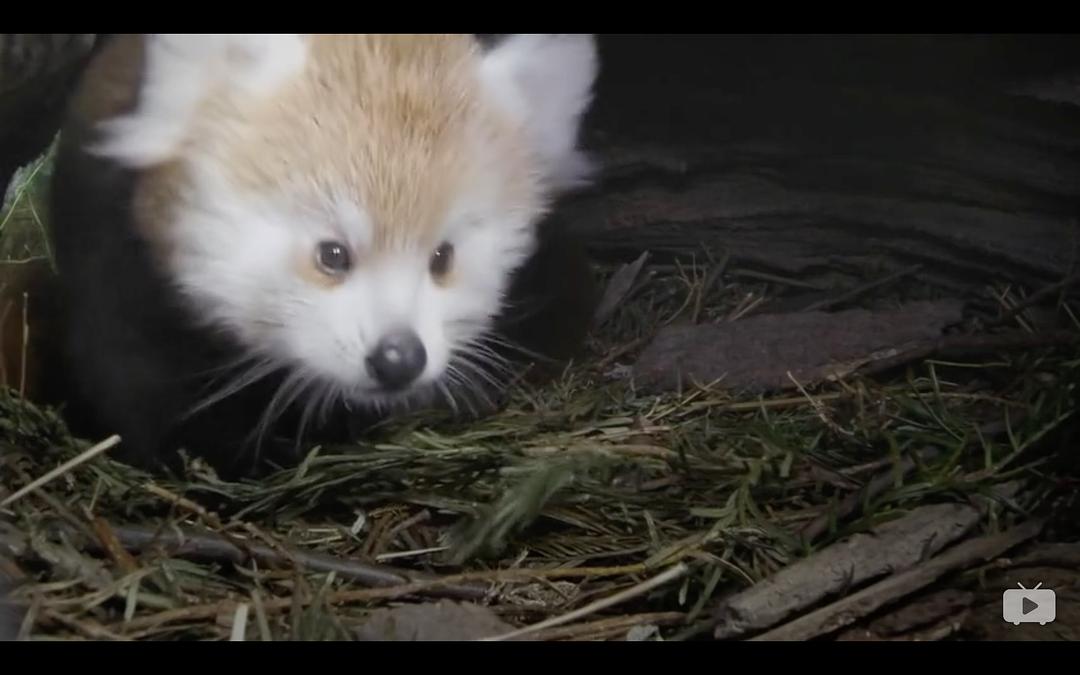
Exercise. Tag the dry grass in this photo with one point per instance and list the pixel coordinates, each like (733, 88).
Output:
(573, 494)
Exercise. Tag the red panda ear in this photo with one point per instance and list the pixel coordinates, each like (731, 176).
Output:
(545, 82)
(179, 72)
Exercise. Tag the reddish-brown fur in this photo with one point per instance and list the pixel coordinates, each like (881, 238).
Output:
(396, 123)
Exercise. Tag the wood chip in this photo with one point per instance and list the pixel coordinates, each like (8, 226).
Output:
(844, 612)
(893, 547)
(756, 354)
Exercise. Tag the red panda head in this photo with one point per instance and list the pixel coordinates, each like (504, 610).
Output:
(352, 206)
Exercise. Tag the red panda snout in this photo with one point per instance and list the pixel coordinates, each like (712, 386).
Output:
(397, 360)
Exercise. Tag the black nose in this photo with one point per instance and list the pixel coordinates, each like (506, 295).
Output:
(397, 360)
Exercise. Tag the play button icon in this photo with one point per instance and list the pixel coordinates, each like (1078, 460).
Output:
(1029, 605)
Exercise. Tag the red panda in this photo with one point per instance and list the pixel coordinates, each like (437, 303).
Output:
(256, 228)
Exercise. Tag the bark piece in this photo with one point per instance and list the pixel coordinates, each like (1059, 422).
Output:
(844, 612)
(756, 354)
(895, 546)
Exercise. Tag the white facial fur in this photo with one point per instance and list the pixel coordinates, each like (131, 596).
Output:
(327, 332)
(244, 258)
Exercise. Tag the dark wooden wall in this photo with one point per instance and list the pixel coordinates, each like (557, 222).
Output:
(799, 153)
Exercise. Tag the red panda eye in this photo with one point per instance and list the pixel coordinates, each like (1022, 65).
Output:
(442, 260)
(333, 257)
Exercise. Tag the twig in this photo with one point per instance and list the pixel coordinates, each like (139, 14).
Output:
(858, 605)
(3, 320)
(640, 589)
(746, 306)
(626, 450)
(923, 612)
(775, 278)
(621, 351)
(430, 586)
(967, 345)
(112, 545)
(25, 344)
(53, 503)
(153, 621)
(390, 582)
(260, 616)
(212, 546)
(940, 630)
(214, 522)
(871, 490)
(819, 409)
(1035, 298)
(612, 624)
(706, 287)
(934, 632)
(854, 293)
(1053, 555)
(90, 630)
(383, 557)
(86, 456)
(387, 537)
(239, 625)
(184, 503)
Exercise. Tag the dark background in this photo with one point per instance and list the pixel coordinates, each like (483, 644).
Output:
(910, 61)
(795, 151)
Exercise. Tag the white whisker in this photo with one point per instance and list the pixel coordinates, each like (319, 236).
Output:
(258, 371)
(287, 391)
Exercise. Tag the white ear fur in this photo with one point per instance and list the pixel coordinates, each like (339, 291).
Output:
(179, 72)
(545, 82)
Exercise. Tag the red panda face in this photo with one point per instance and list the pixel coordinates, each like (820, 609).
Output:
(353, 207)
